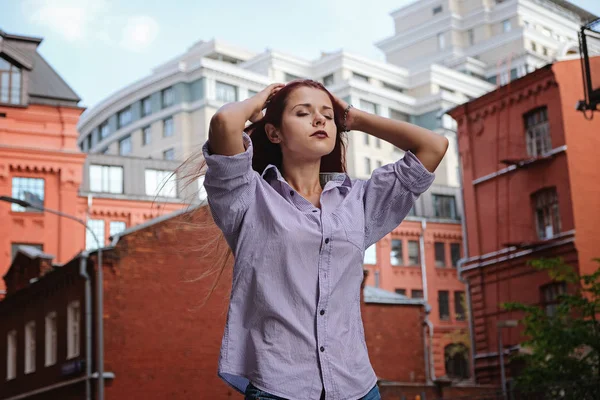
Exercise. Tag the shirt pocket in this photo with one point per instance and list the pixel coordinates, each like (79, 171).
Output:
(352, 228)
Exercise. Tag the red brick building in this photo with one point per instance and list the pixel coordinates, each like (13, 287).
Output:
(158, 342)
(40, 162)
(531, 189)
(418, 260)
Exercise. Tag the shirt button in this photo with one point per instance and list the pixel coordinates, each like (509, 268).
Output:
(315, 210)
(291, 192)
(322, 348)
(326, 240)
(322, 312)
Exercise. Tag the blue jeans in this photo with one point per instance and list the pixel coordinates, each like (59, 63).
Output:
(254, 393)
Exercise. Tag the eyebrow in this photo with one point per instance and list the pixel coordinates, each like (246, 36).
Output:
(309, 105)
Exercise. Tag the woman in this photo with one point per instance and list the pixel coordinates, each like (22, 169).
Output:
(298, 228)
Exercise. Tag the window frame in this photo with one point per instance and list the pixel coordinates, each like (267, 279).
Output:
(73, 329)
(12, 90)
(167, 97)
(50, 339)
(125, 139)
(168, 122)
(547, 202)
(106, 170)
(30, 347)
(399, 251)
(12, 350)
(221, 95)
(146, 135)
(440, 263)
(34, 186)
(418, 255)
(538, 137)
(146, 100)
(121, 120)
(444, 306)
(435, 197)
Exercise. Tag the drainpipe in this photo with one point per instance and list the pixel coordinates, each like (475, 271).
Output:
(88, 323)
(426, 296)
(463, 224)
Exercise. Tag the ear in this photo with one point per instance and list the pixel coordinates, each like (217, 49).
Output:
(272, 133)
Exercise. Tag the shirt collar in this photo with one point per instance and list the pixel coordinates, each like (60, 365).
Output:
(341, 179)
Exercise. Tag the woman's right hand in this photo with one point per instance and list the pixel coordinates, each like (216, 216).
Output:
(260, 100)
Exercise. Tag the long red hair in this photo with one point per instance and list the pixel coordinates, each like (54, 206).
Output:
(267, 152)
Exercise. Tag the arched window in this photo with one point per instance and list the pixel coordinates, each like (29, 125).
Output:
(457, 361)
(10, 83)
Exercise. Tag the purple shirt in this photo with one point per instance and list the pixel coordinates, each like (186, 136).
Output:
(294, 325)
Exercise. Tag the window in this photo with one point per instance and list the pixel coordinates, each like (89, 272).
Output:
(396, 254)
(398, 115)
(169, 154)
(437, 10)
(444, 206)
(367, 139)
(73, 324)
(50, 339)
(367, 166)
(168, 97)
(379, 164)
(202, 195)
(545, 51)
(146, 135)
(441, 40)
(97, 227)
(30, 190)
(393, 87)
(252, 93)
(400, 291)
(506, 26)
(413, 252)
(125, 146)
(378, 143)
(459, 305)
(360, 77)
(443, 306)
(291, 77)
(89, 142)
(106, 179)
(371, 255)
(168, 127)
(471, 37)
(11, 355)
(124, 117)
(533, 46)
(547, 215)
(226, 93)
(413, 211)
(161, 183)
(537, 131)
(456, 361)
(416, 294)
(116, 227)
(146, 106)
(455, 253)
(514, 74)
(30, 347)
(10, 83)
(14, 247)
(328, 80)
(368, 106)
(550, 296)
(440, 254)
(104, 130)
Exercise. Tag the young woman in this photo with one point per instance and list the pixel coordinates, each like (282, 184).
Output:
(298, 227)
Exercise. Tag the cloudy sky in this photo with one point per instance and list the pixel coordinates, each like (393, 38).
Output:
(99, 46)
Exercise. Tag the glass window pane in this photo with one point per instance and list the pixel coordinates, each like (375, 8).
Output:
(440, 254)
(168, 127)
(371, 255)
(413, 252)
(116, 227)
(115, 180)
(96, 178)
(225, 92)
(396, 255)
(97, 227)
(30, 190)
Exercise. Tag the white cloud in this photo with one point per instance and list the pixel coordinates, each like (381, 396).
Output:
(139, 33)
(73, 19)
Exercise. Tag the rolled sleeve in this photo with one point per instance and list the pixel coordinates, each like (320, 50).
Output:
(229, 182)
(390, 193)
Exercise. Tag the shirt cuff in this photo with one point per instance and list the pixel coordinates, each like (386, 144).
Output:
(413, 174)
(229, 166)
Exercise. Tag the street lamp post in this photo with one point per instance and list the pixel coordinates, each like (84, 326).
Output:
(99, 286)
(509, 323)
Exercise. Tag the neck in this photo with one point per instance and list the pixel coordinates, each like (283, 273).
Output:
(303, 176)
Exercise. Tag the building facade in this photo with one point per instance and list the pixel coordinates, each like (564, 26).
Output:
(536, 196)
(41, 163)
(160, 339)
(495, 40)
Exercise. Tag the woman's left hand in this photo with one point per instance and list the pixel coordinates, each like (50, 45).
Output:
(341, 105)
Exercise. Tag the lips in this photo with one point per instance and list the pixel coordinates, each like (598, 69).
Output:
(320, 134)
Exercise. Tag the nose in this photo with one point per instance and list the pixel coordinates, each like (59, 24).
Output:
(319, 120)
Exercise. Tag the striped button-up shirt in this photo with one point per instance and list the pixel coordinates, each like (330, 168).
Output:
(294, 325)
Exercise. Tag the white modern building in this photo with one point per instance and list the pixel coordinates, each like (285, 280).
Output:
(496, 40)
(443, 53)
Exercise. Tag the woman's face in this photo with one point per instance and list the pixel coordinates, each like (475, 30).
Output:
(307, 128)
